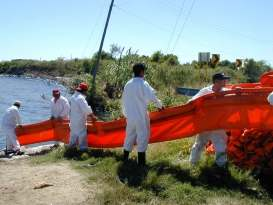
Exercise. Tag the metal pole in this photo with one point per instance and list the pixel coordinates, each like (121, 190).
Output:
(101, 44)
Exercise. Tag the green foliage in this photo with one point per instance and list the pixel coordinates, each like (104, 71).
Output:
(227, 63)
(104, 56)
(116, 51)
(88, 65)
(113, 109)
(157, 56)
(253, 69)
(169, 59)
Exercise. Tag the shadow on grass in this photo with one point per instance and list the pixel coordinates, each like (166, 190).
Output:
(75, 154)
(133, 175)
(266, 182)
(211, 178)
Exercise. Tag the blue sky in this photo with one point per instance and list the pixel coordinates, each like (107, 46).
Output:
(48, 29)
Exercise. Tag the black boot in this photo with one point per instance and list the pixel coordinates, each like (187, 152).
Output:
(125, 155)
(141, 158)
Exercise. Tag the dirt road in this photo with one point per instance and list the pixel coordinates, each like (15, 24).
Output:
(56, 183)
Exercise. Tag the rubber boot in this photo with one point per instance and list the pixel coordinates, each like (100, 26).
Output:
(125, 155)
(141, 158)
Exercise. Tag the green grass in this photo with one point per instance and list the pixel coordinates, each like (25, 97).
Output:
(167, 179)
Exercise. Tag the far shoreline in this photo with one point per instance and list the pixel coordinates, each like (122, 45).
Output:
(63, 81)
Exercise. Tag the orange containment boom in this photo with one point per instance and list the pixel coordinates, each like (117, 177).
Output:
(234, 109)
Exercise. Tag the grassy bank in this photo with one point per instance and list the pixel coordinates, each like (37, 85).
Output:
(168, 178)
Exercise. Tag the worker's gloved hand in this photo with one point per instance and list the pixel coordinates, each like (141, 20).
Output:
(92, 117)
(59, 118)
(162, 108)
(238, 90)
(219, 94)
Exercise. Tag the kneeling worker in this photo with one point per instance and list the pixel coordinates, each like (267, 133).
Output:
(10, 121)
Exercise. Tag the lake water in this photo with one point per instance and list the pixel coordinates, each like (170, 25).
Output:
(35, 95)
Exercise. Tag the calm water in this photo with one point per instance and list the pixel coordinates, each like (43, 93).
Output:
(35, 95)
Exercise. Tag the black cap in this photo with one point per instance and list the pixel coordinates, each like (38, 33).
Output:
(220, 76)
(17, 103)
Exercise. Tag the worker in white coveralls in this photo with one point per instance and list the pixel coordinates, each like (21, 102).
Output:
(135, 98)
(270, 98)
(10, 121)
(59, 106)
(79, 113)
(217, 137)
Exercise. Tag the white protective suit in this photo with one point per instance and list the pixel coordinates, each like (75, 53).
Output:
(218, 138)
(9, 122)
(60, 108)
(270, 98)
(135, 98)
(78, 116)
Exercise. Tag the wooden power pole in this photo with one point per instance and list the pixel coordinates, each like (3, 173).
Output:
(101, 44)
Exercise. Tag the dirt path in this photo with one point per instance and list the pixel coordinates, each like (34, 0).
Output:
(21, 183)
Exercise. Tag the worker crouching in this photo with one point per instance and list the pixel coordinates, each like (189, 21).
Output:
(10, 121)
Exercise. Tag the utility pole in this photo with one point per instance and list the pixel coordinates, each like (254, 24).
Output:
(101, 44)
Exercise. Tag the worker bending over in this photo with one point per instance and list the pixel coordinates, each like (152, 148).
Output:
(217, 137)
(79, 113)
(10, 121)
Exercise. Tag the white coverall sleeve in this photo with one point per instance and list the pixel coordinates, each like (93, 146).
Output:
(66, 108)
(199, 94)
(86, 109)
(150, 95)
(270, 98)
(123, 104)
(18, 118)
(51, 108)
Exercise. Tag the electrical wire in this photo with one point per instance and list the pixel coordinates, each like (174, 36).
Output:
(175, 25)
(93, 30)
(142, 19)
(184, 24)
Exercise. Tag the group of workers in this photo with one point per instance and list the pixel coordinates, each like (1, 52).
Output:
(136, 96)
(78, 111)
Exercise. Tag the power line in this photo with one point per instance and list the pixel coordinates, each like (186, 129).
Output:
(93, 30)
(176, 22)
(170, 4)
(183, 26)
(218, 28)
(140, 18)
(243, 35)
